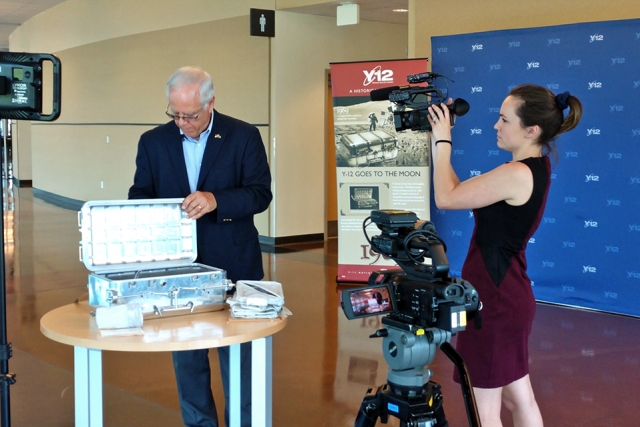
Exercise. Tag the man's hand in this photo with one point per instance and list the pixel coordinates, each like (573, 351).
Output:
(199, 203)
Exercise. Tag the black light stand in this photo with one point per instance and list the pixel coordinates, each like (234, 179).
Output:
(21, 82)
(6, 377)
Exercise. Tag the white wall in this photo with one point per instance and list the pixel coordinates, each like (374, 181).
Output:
(304, 47)
(115, 62)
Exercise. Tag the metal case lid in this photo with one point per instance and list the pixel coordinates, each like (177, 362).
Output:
(129, 235)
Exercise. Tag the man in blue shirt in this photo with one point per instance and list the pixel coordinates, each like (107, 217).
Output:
(219, 166)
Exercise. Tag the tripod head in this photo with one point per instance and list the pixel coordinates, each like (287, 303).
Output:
(409, 393)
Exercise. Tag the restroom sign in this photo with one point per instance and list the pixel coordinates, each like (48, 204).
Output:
(263, 22)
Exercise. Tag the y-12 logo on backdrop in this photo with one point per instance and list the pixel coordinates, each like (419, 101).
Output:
(458, 70)
(615, 156)
(573, 63)
(531, 65)
(590, 224)
(494, 67)
(443, 49)
(616, 108)
(635, 132)
(553, 86)
(636, 84)
(593, 131)
(475, 47)
(588, 269)
(476, 89)
(573, 154)
(553, 41)
(377, 75)
(592, 178)
(476, 131)
(596, 38)
(595, 85)
(617, 60)
(514, 44)
(635, 180)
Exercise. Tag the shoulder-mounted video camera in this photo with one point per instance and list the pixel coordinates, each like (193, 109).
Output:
(420, 293)
(412, 102)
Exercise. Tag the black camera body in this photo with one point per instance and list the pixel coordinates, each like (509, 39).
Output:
(419, 293)
(418, 99)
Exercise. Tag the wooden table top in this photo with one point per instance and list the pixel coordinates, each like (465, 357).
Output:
(73, 324)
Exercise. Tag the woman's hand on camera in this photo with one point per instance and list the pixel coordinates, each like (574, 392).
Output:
(439, 118)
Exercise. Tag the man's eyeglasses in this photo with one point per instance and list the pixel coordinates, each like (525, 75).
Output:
(188, 119)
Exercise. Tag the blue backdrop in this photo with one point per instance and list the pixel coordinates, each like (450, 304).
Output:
(586, 251)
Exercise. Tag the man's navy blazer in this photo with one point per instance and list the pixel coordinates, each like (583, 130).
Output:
(234, 168)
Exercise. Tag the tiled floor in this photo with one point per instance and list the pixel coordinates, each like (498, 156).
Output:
(585, 366)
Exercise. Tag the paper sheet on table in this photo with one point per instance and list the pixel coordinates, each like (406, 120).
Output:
(121, 332)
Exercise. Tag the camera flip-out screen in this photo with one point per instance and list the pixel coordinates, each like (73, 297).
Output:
(369, 301)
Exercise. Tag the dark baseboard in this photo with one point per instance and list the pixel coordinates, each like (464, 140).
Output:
(280, 244)
(60, 201)
(288, 240)
(25, 183)
(332, 228)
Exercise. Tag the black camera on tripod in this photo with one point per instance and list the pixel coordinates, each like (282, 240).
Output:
(412, 102)
(421, 294)
(424, 307)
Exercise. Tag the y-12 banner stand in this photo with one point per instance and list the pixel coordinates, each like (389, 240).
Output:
(377, 167)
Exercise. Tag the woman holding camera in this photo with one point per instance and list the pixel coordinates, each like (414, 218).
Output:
(508, 203)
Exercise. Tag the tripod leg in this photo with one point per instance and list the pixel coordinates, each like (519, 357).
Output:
(369, 409)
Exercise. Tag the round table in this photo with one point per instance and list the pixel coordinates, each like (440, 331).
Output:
(73, 325)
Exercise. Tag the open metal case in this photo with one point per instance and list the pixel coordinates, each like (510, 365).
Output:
(143, 251)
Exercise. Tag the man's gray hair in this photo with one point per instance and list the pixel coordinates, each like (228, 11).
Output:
(192, 75)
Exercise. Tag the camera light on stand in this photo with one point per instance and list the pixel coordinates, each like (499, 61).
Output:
(348, 14)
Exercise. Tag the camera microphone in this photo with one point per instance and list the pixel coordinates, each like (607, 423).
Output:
(460, 107)
(422, 77)
(383, 93)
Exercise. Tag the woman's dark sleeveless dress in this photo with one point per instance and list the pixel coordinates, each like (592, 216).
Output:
(497, 354)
